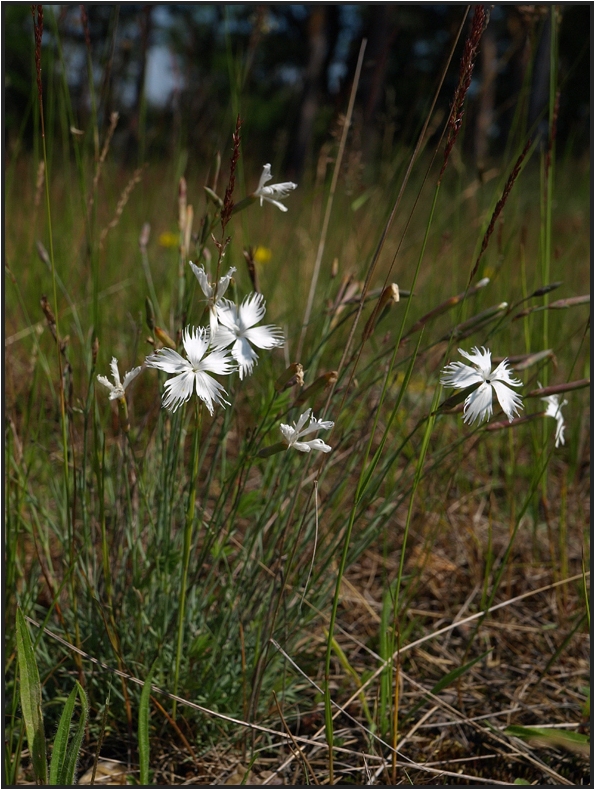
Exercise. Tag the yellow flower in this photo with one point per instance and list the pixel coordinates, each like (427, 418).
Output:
(262, 255)
(169, 239)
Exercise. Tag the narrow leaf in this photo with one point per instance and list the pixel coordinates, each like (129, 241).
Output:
(61, 740)
(545, 736)
(75, 747)
(456, 399)
(31, 699)
(143, 730)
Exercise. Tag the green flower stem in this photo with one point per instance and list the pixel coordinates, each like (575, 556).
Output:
(187, 544)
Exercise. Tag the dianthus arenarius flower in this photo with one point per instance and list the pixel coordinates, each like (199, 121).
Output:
(293, 433)
(554, 409)
(117, 388)
(478, 405)
(193, 372)
(237, 326)
(275, 192)
(208, 289)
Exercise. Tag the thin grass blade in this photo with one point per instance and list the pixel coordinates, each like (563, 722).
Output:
(61, 740)
(143, 730)
(67, 777)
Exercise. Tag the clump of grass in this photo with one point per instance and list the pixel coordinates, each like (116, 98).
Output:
(327, 616)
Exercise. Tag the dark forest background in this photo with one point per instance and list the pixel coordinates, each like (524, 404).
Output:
(178, 74)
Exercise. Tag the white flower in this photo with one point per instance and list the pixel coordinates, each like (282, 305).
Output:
(237, 327)
(554, 409)
(293, 434)
(478, 405)
(274, 192)
(208, 289)
(117, 389)
(192, 372)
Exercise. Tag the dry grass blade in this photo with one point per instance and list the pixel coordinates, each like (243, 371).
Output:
(411, 764)
(295, 743)
(558, 389)
(458, 623)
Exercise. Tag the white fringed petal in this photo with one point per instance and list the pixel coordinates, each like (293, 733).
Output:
(478, 404)
(275, 192)
(237, 328)
(193, 373)
(117, 389)
(554, 409)
(293, 434)
(511, 402)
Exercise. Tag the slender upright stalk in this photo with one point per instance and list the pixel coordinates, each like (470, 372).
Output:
(38, 30)
(187, 544)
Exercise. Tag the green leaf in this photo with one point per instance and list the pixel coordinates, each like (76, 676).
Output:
(545, 736)
(61, 740)
(31, 699)
(67, 777)
(520, 781)
(143, 730)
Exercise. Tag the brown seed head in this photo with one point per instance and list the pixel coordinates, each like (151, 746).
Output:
(235, 155)
(38, 31)
(500, 204)
(455, 119)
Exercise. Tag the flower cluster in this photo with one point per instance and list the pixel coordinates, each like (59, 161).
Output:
(226, 346)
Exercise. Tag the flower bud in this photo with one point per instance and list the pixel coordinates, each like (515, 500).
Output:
(292, 376)
(164, 338)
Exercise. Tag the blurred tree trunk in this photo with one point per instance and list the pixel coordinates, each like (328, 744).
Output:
(315, 74)
(381, 34)
(145, 24)
(540, 84)
(380, 31)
